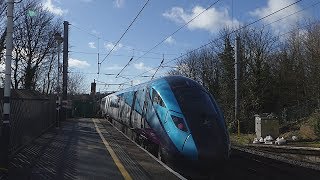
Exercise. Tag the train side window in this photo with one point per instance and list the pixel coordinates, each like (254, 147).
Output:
(157, 99)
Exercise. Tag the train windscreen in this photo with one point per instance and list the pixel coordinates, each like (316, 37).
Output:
(202, 118)
(197, 105)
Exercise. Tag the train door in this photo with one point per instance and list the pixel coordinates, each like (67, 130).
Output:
(143, 115)
(147, 107)
(121, 107)
(132, 109)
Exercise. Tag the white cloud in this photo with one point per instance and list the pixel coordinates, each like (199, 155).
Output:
(87, 1)
(94, 32)
(118, 3)
(170, 40)
(78, 63)
(275, 5)
(211, 20)
(49, 6)
(141, 66)
(114, 67)
(110, 45)
(91, 45)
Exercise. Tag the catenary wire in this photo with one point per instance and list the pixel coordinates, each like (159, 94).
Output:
(234, 31)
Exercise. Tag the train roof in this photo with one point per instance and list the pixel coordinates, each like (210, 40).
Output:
(173, 81)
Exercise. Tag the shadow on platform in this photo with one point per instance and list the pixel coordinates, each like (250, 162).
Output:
(73, 152)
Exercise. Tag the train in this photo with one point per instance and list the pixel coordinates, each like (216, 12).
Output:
(174, 117)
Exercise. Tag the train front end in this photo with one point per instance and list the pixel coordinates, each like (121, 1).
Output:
(208, 141)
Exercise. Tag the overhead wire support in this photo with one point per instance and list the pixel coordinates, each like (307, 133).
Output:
(115, 45)
(98, 55)
(175, 31)
(158, 67)
(124, 67)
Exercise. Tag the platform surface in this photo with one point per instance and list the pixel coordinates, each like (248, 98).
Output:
(86, 149)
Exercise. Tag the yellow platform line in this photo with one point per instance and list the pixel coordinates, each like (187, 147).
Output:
(115, 158)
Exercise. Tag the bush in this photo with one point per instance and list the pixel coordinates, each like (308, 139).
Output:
(317, 127)
(310, 127)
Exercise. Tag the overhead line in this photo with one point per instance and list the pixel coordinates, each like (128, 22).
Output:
(235, 30)
(174, 32)
(266, 16)
(124, 67)
(125, 31)
(95, 53)
(313, 5)
(85, 31)
(157, 68)
(202, 46)
(280, 35)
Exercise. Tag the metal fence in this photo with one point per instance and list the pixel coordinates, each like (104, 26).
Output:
(31, 115)
(83, 106)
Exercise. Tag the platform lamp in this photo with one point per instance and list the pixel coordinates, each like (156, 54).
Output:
(59, 39)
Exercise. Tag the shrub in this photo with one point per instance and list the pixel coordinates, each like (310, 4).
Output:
(317, 127)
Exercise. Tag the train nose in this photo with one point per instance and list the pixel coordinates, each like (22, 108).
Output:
(213, 148)
(189, 148)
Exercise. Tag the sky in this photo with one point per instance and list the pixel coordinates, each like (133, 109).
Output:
(96, 25)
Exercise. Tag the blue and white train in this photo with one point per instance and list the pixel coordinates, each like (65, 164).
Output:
(174, 114)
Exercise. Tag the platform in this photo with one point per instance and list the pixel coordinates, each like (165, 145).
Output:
(86, 149)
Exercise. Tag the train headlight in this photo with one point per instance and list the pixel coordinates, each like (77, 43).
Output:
(179, 122)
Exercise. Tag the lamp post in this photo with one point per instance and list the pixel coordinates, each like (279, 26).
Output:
(5, 121)
(59, 40)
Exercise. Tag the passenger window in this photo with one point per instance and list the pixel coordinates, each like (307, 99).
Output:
(157, 99)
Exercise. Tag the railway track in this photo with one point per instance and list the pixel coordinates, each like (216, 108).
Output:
(247, 165)
(244, 164)
(3, 176)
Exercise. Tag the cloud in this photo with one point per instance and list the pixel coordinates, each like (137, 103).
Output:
(274, 5)
(170, 40)
(49, 6)
(91, 45)
(78, 63)
(94, 32)
(87, 1)
(110, 45)
(211, 20)
(114, 67)
(141, 66)
(118, 3)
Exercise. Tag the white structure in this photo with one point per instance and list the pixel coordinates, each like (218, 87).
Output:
(266, 125)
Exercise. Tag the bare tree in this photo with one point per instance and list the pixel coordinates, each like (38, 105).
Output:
(76, 84)
(2, 22)
(33, 44)
(312, 45)
(2, 29)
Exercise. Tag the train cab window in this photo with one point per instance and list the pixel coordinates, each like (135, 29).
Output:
(157, 99)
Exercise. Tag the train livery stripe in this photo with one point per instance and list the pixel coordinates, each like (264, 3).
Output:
(115, 158)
